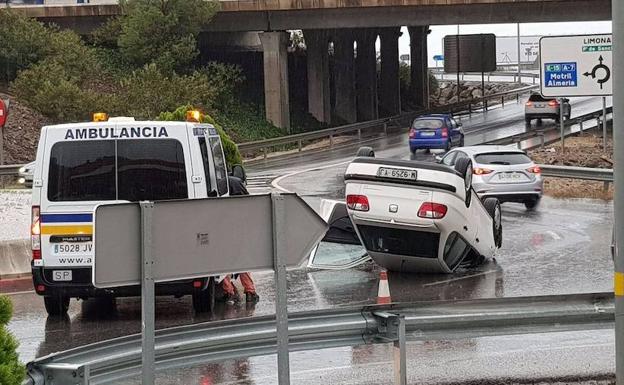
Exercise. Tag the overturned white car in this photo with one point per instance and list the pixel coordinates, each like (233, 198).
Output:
(420, 217)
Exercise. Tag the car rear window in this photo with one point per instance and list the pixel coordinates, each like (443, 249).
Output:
(103, 170)
(538, 98)
(427, 123)
(504, 158)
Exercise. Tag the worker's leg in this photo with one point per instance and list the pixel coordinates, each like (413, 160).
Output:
(228, 286)
(250, 288)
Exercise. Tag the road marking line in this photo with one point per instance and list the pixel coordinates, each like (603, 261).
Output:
(19, 292)
(276, 181)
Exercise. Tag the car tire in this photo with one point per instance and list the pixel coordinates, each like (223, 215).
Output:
(461, 141)
(56, 305)
(448, 145)
(531, 204)
(527, 121)
(204, 300)
(464, 167)
(557, 120)
(492, 206)
(365, 151)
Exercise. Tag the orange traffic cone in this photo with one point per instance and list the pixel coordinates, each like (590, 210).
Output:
(383, 293)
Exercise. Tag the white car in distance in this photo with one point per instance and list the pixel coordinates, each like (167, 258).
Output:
(420, 217)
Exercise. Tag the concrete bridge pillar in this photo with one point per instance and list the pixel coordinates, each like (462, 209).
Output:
(419, 74)
(389, 84)
(366, 74)
(317, 56)
(344, 76)
(276, 101)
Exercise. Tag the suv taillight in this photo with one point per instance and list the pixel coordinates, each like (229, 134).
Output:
(35, 232)
(481, 171)
(534, 170)
(412, 133)
(357, 202)
(529, 104)
(432, 210)
(445, 132)
(553, 103)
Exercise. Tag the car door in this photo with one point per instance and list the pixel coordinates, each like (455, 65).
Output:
(341, 247)
(449, 158)
(455, 130)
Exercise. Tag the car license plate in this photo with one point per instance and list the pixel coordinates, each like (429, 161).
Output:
(511, 177)
(396, 173)
(72, 248)
(427, 133)
(62, 275)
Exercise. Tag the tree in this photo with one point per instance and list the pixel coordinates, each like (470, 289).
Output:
(163, 32)
(11, 371)
(232, 155)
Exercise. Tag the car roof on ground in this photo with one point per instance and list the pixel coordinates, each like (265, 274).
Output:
(485, 149)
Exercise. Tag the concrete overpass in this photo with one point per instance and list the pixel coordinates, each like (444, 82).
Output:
(334, 26)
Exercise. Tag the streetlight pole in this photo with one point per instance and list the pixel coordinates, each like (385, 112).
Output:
(519, 77)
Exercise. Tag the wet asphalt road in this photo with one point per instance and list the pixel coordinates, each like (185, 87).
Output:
(560, 248)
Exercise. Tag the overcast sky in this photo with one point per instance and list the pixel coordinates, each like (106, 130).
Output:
(542, 29)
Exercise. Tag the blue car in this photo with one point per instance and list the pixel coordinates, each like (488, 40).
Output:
(435, 131)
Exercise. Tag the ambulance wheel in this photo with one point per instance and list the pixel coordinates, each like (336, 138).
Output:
(204, 300)
(57, 305)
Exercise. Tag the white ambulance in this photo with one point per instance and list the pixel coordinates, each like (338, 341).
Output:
(81, 165)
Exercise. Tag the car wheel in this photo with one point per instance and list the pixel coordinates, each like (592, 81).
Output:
(461, 141)
(365, 151)
(527, 121)
(531, 204)
(204, 300)
(56, 305)
(464, 167)
(492, 205)
(448, 146)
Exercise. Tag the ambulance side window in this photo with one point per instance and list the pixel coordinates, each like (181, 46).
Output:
(151, 169)
(219, 164)
(206, 161)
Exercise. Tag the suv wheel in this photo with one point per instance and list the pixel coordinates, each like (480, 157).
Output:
(56, 305)
(531, 203)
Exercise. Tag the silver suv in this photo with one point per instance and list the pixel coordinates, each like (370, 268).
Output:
(538, 107)
(506, 173)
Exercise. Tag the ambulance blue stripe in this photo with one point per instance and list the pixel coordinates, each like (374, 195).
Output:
(66, 218)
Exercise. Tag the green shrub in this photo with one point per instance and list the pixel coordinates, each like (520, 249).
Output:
(51, 89)
(24, 42)
(11, 371)
(163, 32)
(232, 155)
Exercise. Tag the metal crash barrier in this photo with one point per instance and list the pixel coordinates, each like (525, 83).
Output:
(113, 360)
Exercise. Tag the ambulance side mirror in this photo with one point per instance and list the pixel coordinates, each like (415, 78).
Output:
(239, 172)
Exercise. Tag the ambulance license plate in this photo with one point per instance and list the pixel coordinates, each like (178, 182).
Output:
(61, 275)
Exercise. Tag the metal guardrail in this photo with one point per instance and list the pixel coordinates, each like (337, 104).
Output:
(113, 360)
(467, 105)
(10, 170)
(453, 76)
(585, 173)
